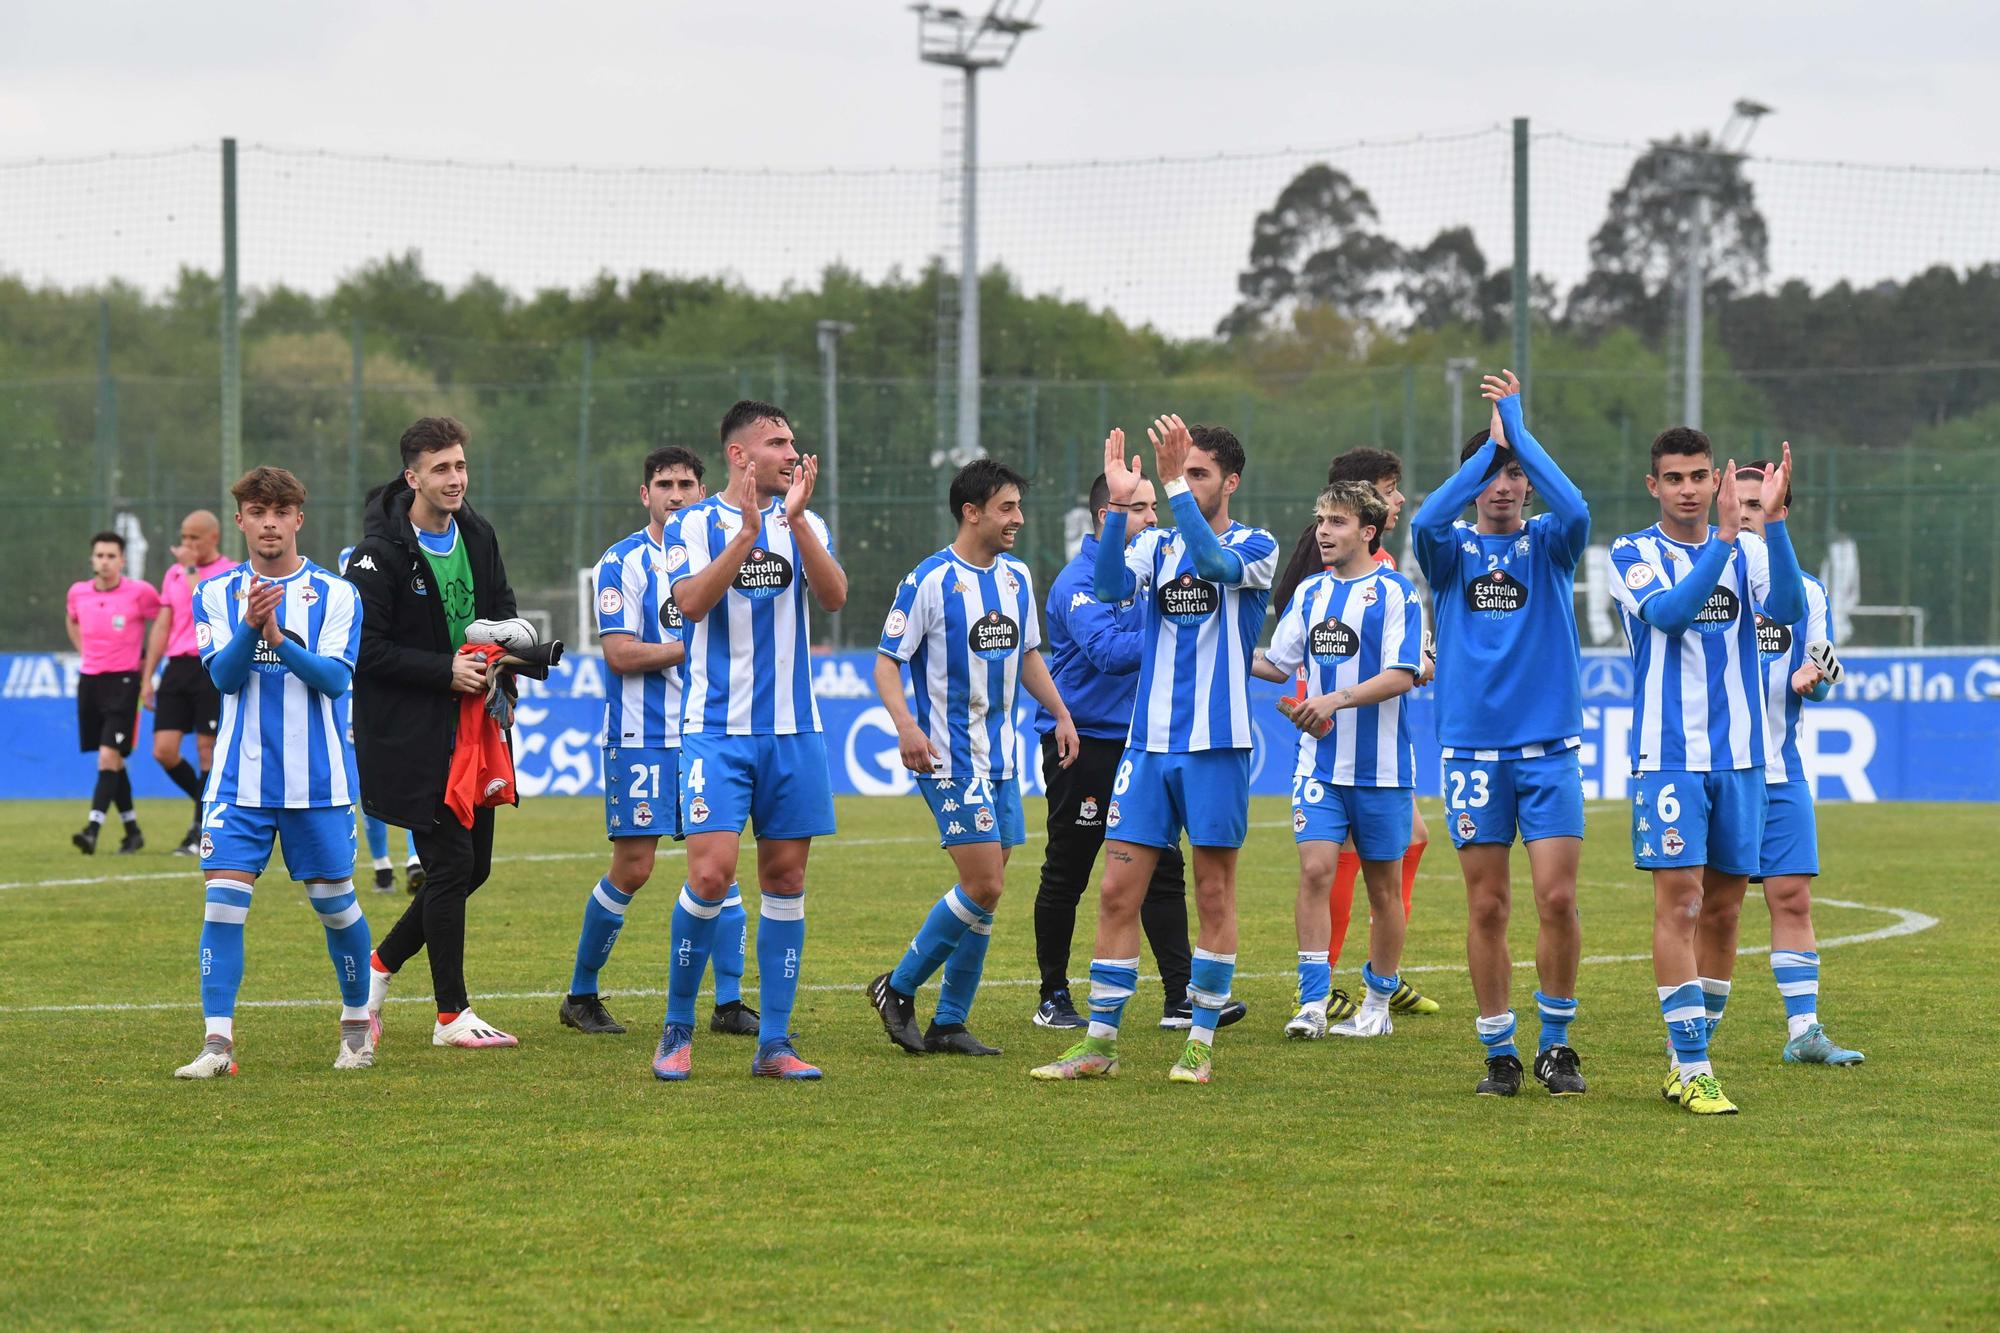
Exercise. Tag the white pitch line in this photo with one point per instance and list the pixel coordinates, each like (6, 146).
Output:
(1907, 922)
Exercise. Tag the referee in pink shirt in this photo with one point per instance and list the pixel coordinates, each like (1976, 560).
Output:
(185, 699)
(109, 617)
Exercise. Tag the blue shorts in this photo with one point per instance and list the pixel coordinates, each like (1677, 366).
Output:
(1791, 832)
(317, 843)
(642, 797)
(1486, 800)
(975, 810)
(1377, 818)
(1155, 796)
(1699, 819)
(778, 784)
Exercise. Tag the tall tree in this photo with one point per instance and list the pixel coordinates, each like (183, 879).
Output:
(1318, 244)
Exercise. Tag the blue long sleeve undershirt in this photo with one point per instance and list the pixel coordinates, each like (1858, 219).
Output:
(230, 667)
(1787, 602)
(1110, 579)
(1212, 560)
(1674, 610)
(1556, 490)
(329, 675)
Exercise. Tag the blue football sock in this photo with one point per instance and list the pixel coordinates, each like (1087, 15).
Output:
(1797, 975)
(347, 942)
(781, 947)
(1496, 1034)
(1714, 999)
(222, 947)
(1208, 992)
(378, 837)
(603, 918)
(950, 917)
(692, 934)
(1315, 977)
(1112, 981)
(963, 968)
(1557, 1014)
(1380, 988)
(1687, 1025)
(732, 940)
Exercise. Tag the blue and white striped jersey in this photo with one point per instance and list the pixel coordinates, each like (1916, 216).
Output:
(282, 744)
(964, 631)
(1345, 631)
(1783, 648)
(642, 709)
(1699, 694)
(1194, 655)
(749, 662)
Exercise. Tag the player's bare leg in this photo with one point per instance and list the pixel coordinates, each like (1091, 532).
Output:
(1114, 966)
(1715, 938)
(1386, 929)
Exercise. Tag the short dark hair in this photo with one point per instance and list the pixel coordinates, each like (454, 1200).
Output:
(427, 435)
(108, 536)
(1100, 495)
(1680, 440)
(670, 455)
(1760, 468)
(270, 486)
(1502, 455)
(1221, 445)
(746, 412)
(1373, 466)
(979, 481)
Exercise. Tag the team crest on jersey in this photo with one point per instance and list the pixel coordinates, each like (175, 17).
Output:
(677, 556)
(764, 575)
(1187, 600)
(1111, 816)
(309, 594)
(1086, 813)
(207, 847)
(670, 613)
(1496, 593)
(610, 602)
(642, 815)
(1008, 581)
(118, 622)
(1466, 828)
(1370, 595)
(993, 637)
(1672, 843)
(697, 811)
(1298, 819)
(1331, 642)
(203, 635)
(1773, 639)
(1639, 576)
(1718, 612)
(893, 627)
(418, 586)
(982, 819)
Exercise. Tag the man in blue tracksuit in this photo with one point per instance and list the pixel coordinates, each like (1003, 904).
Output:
(1093, 650)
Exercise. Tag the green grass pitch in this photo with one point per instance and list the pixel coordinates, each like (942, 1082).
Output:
(1311, 1184)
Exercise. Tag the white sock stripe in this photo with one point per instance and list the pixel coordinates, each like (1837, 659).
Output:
(1313, 955)
(1207, 999)
(234, 886)
(700, 907)
(1791, 958)
(962, 907)
(223, 912)
(1714, 986)
(1685, 1013)
(774, 908)
(609, 903)
(733, 900)
(342, 919)
(1103, 994)
(1203, 955)
(981, 928)
(1796, 988)
(329, 890)
(1132, 963)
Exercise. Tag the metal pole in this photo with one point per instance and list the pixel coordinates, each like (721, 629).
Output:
(1522, 275)
(354, 442)
(968, 278)
(106, 413)
(829, 332)
(1454, 384)
(1697, 253)
(577, 553)
(232, 350)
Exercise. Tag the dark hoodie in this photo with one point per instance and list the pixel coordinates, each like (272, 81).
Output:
(405, 714)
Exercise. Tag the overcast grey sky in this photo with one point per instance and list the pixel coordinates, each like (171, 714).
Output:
(791, 84)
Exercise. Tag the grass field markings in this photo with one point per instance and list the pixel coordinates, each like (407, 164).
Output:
(1907, 922)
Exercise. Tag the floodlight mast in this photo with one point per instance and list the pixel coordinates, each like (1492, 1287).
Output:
(950, 36)
(1704, 177)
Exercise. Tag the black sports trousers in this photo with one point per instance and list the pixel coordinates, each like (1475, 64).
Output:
(457, 861)
(1078, 799)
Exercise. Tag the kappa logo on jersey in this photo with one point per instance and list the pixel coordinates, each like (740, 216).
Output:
(1645, 851)
(365, 562)
(954, 829)
(893, 627)
(764, 575)
(1497, 593)
(670, 613)
(697, 811)
(1080, 599)
(1643, 825)
(1672, 843)
(1639, 576)
(1773, 639)
(1111, 816)
(982, 819)
(993, 636)
(1087, 812)
(203, 635)
(1332, 641)
(610, 602)
(1187, 600)
(949, 807)
(1719, 612)
(1298, 819)
(1466, 828)
(642, 815)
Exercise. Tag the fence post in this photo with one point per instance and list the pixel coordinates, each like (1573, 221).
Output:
(1523, 274)
(354, 441)
(232, 350)
(1410, 417)
(106, 414)
(577, 552)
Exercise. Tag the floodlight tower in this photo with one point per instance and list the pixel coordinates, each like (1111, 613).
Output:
(1704, 181)
(947, 36)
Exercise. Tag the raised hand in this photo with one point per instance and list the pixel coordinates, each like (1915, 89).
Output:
(1777, 482)
(1493, 389)
(743, 494)
(1728, 507)
(1171, 442)
(1121, 477)
(804, 475)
